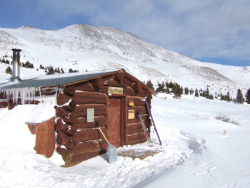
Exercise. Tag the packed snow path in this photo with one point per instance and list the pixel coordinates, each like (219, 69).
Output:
(199, 150)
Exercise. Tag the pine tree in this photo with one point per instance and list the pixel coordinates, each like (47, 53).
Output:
(196, 93)
(191, 91)
(186, 91)
(149, 84)
(161, 87)
(8, 70)
(248, 96)
(239, 98)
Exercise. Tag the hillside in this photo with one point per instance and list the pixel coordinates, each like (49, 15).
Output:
(85, 47)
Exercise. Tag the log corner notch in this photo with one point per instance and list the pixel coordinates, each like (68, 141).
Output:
(137, 87)
(97, 83)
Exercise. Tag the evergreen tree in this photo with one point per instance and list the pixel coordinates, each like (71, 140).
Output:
(196, 93)
(227, 97)
(8, 70)
(186, 90)
(239, 98)
(177, 90)
(149, 84)
(161, 87)
(248, 96)
(191, 91)
(50, 70)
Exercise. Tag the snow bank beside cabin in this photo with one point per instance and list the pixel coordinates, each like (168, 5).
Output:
(20, 166)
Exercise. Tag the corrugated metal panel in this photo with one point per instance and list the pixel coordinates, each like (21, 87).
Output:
(55, 80)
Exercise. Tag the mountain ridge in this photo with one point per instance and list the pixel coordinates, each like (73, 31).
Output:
(86, 47)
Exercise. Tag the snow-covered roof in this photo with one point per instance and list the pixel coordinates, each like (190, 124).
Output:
(55, 79)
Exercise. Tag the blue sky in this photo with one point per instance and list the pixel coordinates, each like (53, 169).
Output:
(214, 30)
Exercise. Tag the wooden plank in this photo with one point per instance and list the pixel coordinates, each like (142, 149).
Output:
(100, 120)
(81, 110)
(90, 98)
(141, 109)
(136, 138)
(85, 86)
(82, 135)
(45, 138)
(134, 128)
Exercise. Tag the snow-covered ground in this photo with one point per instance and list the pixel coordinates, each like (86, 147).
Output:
(199, 150)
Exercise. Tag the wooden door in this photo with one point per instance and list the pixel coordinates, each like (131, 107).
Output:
(114, 121)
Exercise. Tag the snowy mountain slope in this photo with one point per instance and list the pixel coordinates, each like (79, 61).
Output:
(97, 48)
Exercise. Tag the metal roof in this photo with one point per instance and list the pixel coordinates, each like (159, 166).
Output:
(55, 79)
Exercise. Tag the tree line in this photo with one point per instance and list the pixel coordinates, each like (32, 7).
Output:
(48, 69)
(178, 91)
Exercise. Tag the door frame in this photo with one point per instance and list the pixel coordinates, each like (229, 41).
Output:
(123, 119)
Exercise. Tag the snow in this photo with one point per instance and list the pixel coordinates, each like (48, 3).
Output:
(85, 47)
(199, 150)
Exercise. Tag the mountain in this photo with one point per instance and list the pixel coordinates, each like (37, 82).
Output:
(86, 47)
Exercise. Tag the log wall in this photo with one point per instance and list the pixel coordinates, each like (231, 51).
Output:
(79, 140)
(135, 132)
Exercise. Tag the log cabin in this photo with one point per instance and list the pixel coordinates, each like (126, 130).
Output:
(108, 99)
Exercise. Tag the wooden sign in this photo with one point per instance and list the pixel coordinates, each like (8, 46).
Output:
(115, 90)
(131, 114)
(90, 114)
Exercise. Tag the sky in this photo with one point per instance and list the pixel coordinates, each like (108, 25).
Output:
(216, 31)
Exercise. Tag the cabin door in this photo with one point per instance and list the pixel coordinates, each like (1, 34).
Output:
(114, 121)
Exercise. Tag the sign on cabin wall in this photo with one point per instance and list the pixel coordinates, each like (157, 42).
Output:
(131, 114)
(90, 114)
(115, 90)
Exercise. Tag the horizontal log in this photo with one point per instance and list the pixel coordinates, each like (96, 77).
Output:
(136, 138)
(70, 130)
(137, 120)
(62, 99)
(134, 128)
(82, 135)
(142, 93)
(99, 109)
(71, 106)
(137, 87)
(137, 101)
(69, 90)
(129, 91)
(141, 109)
(90, 98)
(89, 146)
(100, 120)
(62, 150)
(97, 83)
(61, 112)
(70, 118)
(85, 86)
(62, 138)
(69, 144)
(60, 125)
